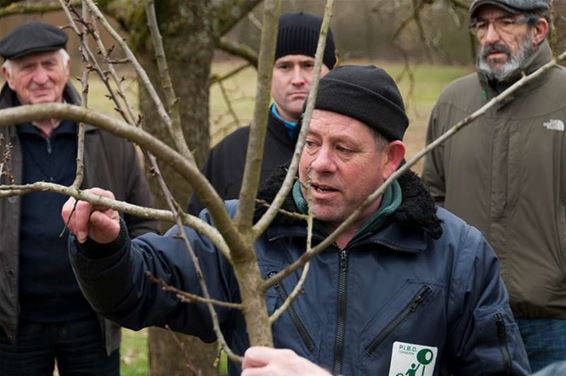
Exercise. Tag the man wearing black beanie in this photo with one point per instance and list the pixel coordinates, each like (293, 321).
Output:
(297, 39)
(405, 289)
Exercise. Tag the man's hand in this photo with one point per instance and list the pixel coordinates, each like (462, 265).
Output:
(277, 362)
(87, 221)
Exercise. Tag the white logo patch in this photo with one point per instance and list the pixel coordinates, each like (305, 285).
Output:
(408, 359)
(554, 125)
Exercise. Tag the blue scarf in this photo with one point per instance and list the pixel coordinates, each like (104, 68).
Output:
(292, 127)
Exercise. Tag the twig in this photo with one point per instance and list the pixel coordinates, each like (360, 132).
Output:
(299, 287)
(229, 104)
(238, 49)
(174, 126)
(31, 8)
(217, 79)
(140, 71)
(181, 345)
(187, 296)
(175, 209)
(256, 142)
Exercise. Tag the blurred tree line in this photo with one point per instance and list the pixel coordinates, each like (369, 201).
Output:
(369, 29)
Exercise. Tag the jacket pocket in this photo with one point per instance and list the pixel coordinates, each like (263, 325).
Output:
(410, 308)
(293, 316)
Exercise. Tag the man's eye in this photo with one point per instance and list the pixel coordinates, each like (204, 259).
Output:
(344, 150)
(506, 22)
(480, 25)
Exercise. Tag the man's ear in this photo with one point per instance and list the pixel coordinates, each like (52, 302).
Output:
(540, 31)
(8, 77)
(393, 155)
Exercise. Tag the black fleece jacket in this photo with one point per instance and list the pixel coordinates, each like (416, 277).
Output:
(226, 161)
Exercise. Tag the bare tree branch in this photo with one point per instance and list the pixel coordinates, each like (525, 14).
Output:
(189, 171)
(181, 345)
(238, 49)
(10, 8)
(188, 297)
(141, 73)
(229, 103)
(254, 155)
(230, 12)
(217, 79)
(174, 126)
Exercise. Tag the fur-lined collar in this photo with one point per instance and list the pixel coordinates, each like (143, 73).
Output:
(417, 211)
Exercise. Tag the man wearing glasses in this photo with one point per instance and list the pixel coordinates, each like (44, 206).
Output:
(506, 172)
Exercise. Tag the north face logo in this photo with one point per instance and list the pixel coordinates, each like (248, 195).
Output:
(554, 125)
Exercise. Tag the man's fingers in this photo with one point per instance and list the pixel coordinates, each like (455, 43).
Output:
(79, 218)
(254, 357)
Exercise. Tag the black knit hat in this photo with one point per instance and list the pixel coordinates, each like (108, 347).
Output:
(366, 93)
(30, 38)
(512, 6)
(298, 35)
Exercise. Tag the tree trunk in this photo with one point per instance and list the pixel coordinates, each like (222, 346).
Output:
(167, 358)
(189, 45)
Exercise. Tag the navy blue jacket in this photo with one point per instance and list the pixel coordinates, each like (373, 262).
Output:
(438, 288)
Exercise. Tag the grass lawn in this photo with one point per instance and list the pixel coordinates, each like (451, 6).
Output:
(420, 95)
(133, 353)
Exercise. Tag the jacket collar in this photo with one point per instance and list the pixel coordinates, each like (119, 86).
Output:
(408, 230)
(276, 127)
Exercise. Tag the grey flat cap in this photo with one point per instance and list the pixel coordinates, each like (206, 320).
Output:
(30, 38)
(511, 6)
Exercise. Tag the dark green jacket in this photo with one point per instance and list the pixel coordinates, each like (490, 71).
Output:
(110, 163)
(505, 173)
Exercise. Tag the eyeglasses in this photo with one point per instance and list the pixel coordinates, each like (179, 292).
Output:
(505, 25)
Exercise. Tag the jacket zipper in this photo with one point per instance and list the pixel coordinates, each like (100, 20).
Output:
(303, 332)
(502, 335)
(410, 308)
(341, 313)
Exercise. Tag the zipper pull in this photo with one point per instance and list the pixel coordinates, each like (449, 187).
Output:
(419, 299)
(271, 274)
(500, 326)
(343, 259)
(48, 141)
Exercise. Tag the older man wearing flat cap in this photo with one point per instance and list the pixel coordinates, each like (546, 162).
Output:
(43, 316)
(506, 172)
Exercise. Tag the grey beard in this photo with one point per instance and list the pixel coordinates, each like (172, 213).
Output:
(512, 65)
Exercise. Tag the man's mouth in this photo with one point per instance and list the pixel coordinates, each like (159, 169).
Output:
(323, 188)
(494, 50)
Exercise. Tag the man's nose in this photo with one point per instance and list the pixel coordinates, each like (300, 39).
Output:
(40, 76)
(323, 161)
(298, 76)
(491, 34)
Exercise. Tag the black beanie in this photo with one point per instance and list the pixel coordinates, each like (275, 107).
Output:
(298, 35)
(366, 93)
(32, 37)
